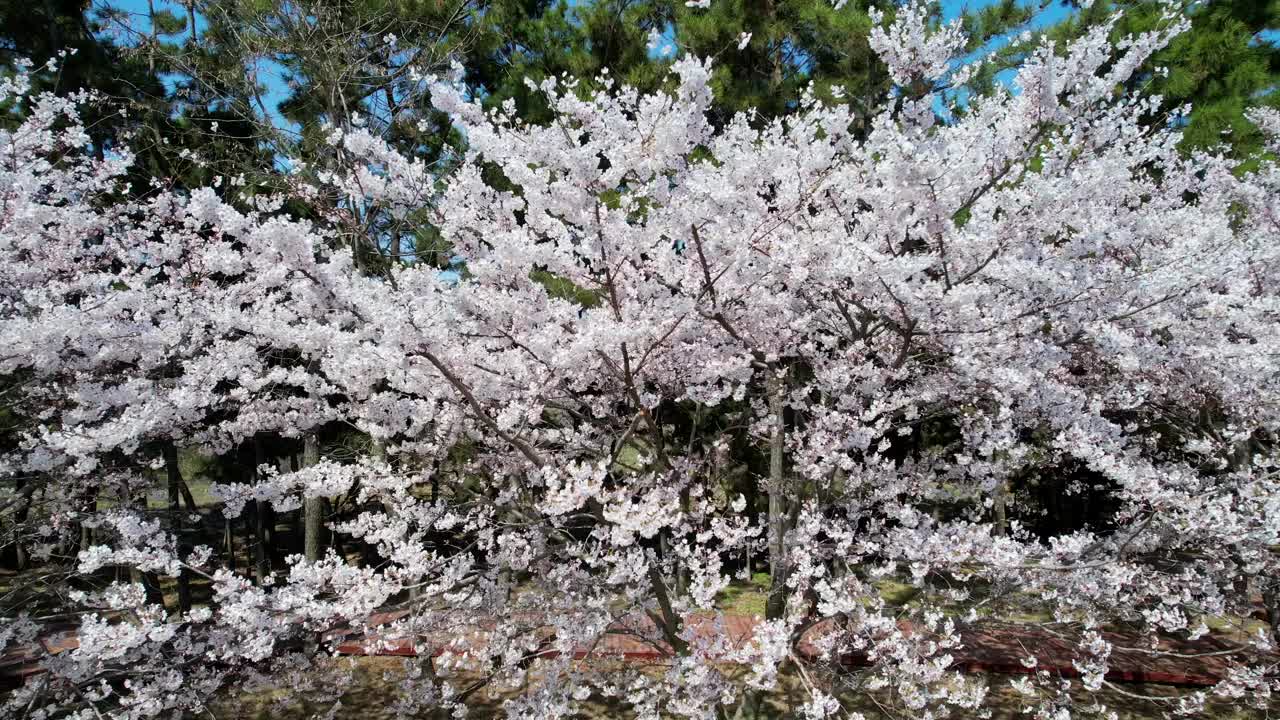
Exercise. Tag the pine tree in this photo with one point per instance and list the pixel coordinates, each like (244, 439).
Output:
(1222, 66)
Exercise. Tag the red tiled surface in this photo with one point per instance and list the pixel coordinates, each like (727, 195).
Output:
(986, 647)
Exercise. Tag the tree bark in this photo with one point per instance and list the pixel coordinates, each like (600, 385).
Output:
(146, 579)
(229, 542)
(1271, 601)
(261, 567)
(313, 507)
(21, 558)
(185, 489)
(151, 49)
(999, 521)
(90, 506)
(174, 475)
(682, 569)
(55, 34)
(776, 603)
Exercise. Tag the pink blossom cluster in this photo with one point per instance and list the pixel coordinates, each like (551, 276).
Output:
(1046, 273)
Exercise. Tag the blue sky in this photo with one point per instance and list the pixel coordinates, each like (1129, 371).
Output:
(1056, 11)
(270, 74)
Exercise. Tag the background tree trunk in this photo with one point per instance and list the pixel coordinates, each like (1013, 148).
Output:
(261, 566)
(229, 542)
(174, 475)
(776, 603)
(138, 501)
(999, 508)
(313, 507)
(20, 556)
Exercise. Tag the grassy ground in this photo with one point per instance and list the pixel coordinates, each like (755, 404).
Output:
(158, 498)
(747, 597)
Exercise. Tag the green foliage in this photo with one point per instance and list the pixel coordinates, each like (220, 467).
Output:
(540, 39)
(1220, 66)
(992, 20)
(793, 43)
(564, 289)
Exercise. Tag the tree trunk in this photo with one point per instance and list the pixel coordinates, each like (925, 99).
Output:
(261, 568)
(1271, 602)
(313, 507)
(149, 585)
(90, 506)
(335, 539)
(20, 556)
(229, 542)
(776, 603)
(151, 49)
(174, 474)
(682, 569)
(147, 580)
(55, 34)
(999, 522)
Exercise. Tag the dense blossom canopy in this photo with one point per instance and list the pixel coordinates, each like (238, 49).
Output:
(1043, 274)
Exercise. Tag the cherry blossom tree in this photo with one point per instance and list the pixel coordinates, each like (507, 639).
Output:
(899, 324)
